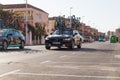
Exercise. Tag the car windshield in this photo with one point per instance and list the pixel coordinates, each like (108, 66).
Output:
(2, 32)
(101, 37)
(63, 32)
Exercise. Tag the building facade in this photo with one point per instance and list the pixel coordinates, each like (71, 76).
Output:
(33, 14)
(51, 25)
(84, 30)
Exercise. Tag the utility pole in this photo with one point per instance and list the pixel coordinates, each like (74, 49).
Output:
(83, 25)
(70, 17)
(26, 24)
(0, 6)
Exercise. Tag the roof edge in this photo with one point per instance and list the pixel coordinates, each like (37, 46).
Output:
(8, 6)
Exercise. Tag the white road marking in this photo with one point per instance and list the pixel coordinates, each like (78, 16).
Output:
(63, 56)
(103, 68)
(45, 62)
(8, 73)
(117, 56)
(100, 63)
(73, 53)
(66, 75)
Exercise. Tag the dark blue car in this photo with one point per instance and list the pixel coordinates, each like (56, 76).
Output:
(65, 38)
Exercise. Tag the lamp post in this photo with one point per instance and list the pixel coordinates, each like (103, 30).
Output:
(26, 24)
(70, 16)
(83, 25)
(0, 6)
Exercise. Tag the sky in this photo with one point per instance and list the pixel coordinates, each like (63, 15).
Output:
(103, 15)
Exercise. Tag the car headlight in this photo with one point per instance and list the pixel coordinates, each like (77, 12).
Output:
(47, 38)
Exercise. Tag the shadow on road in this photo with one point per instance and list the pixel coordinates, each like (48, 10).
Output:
(26, 50)
(90, 50)
(95, 50)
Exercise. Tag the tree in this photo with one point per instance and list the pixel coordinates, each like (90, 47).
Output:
(6, 16)
(32, 29)
(40, 30)
(75, 22)
(11, 20)
(60, 23)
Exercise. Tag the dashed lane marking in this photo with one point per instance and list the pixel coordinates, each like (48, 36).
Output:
(117, 56)
(73, 53)
(45, 62)
(63, 56)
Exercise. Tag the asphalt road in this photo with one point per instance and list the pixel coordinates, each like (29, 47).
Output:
(95, 61)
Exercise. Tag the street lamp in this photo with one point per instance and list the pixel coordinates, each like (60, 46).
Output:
(26, 26)
(83, 25)
(70, 16)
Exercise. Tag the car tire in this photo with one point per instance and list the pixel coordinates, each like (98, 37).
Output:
(22, 45)
(47, 47)
(72, 45)
(5, 45)
(79, 46)
(59, 47)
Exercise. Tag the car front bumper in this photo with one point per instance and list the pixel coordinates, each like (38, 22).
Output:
(66, 43)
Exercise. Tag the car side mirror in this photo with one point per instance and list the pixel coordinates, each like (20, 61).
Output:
(75, 34)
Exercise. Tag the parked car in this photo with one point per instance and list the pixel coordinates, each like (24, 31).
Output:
(11, 38)
(82, 38)
(67, 37)
(102, 39)
(88, 39)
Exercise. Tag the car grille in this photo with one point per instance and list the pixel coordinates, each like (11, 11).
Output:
(56, 40)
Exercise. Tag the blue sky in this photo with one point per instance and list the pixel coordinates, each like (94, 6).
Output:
(103, 15)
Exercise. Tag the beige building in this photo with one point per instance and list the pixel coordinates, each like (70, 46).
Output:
(34, 14)
(118, 34)
(51, 25)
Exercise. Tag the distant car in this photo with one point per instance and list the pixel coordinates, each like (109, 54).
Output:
(67, 37)
(82, 38)
(102, 39)
(88, 39)
(11, 38)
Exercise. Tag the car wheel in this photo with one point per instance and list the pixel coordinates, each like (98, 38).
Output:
(5, 45)
(47, 47)
(79, 46)
(72, 45)
(59, 47)
(22, 45)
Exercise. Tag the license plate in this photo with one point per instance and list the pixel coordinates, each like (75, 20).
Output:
(56, 42)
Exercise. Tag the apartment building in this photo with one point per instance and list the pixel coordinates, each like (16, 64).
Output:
(34, 15)
(51, 25)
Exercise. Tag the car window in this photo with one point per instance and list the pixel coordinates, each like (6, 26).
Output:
(10, 32)
(16, 33)
(67, 32)
(63, 32)
(2, 32)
